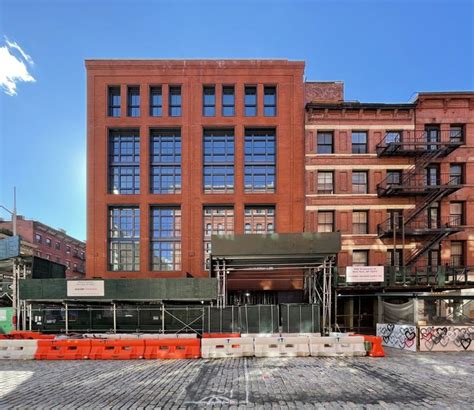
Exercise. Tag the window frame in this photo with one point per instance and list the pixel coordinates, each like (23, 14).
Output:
(358, 184)
(321, 181)
(153, 91)
(358, 145)
(268, 217)
(322, 145)
(175, 106)
(273, 105)
(225, 105)
(358, 227)
(360, 252)
(133, 109)
(457, 219)
(213, 212)
(206, 105)
(325, 224)
(248, 105)
(111, 104)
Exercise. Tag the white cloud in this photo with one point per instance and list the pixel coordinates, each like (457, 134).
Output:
(14, 63)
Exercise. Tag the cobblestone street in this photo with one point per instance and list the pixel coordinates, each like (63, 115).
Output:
(400, 380)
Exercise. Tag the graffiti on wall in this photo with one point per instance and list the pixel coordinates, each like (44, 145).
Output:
(446, 338)
(398, 336)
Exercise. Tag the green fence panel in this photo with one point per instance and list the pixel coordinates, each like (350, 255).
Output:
(300, 318)
(6, 316)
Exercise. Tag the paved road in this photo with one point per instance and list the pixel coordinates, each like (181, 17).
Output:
(401, 379)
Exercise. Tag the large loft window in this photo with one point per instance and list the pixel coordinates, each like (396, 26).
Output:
(209, 101)
(259, 219)
(218, 161)
(114, 101)
(166, 239)
(228, 101)
(124, 239)
(260, 157)
(156, 101)
(124, 162)
(165, 147)
(217, 221)
(174, 103)
(133, 101)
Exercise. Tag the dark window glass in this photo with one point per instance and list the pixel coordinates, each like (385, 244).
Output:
(218, 161)
(395, 218)
(398, 261)
(456, 174)
(359, 182)
(457, 133)
(260, 160)
(133, 101)
(394, 177)
(165, 146)
(58, 246)
(48, 242)
(250, 102)
(166, 239)
(359, 142)
(209, 101)
(269, 101)
(217, 221)
(38, 238)
(174, 101)
(124, 162)
(325, 182)
(457, 254)
(360, 222)
(114, 102)
(325, 221)
(124, 239)
(228, 101)
(259, 219)
(432, 134)
(432, 175)
(156, 101)
(325, 143)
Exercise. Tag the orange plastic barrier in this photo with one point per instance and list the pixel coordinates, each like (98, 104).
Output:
(172, 348)
(69, 349)
(117, 349)
(23, 334)
(376, 348)
(220, 335)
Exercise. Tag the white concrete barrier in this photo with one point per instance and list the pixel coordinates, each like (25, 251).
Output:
(281, 346)
(212, 348)
(300, 334)
(351, 346)
(323, 346)
(18, 349)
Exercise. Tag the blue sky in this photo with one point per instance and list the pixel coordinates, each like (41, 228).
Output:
(383, 50)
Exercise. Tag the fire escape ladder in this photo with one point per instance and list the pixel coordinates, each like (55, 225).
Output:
(426, 245)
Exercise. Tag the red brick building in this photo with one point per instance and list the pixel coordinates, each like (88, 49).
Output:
(52, 244)
(180, 150)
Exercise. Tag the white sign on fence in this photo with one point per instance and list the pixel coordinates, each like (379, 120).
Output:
(364, 274)
(85, 288)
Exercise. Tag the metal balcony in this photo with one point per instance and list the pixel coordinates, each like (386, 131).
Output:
(419, 227)
(416, 184)
(412, 143)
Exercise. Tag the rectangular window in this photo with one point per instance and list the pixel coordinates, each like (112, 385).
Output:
(218, 161)
(325, 221)
(165, 147)
(269, 101)
(432, 175)
(359, 142)
(228, 101)
(259, 219)
(325, 182)
(114, 102)
(360, 258)
(395, 258)
(395, 218)
(359, 182)
(250, 101)
(133, 101)
(166, 239)
(456, 174)
(156, 101)
(393, 137)
(124, 239)
(456, 213)
(260, 157)
(57, 246)
(360, 222)
(217, 221)
(457, 254)
(68, 264)
(174, 103)
(456, 134)
(68, 249)
(325, 143)
(124, 162)
(209, 101)
(394, 177)
(38, 238)
(48, 242)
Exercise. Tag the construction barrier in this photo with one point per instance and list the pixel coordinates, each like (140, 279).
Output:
(376, 349)
(172, 349)
(120, 349)
(281, 346)
(213, 348)
(72, 349)
(220, 335)
(350, 346)
(300, 334)
(323, 346)
(18, 349)
(22, 335)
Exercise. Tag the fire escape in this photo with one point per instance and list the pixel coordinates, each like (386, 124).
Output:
(423, 182)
